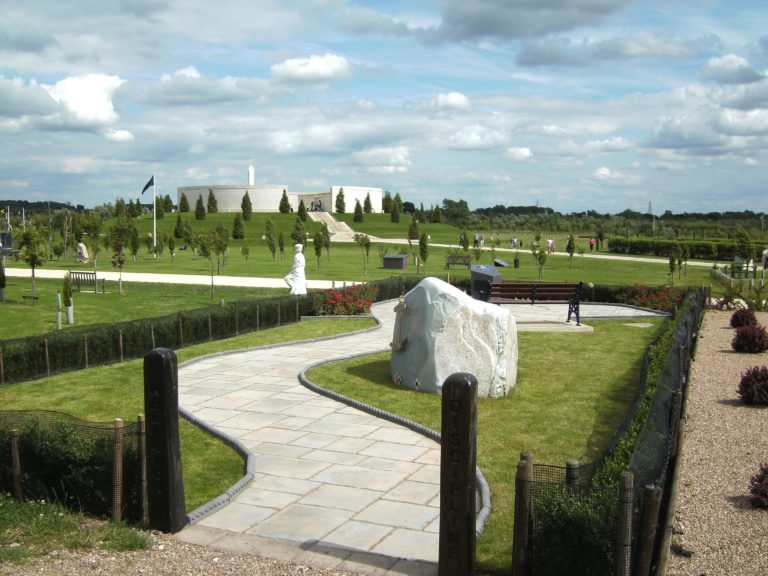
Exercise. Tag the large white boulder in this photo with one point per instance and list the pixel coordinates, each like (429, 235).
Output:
(442, 330)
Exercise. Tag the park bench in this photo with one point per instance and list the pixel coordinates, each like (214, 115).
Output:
(530, 292)
(458, 260)
(80, 278)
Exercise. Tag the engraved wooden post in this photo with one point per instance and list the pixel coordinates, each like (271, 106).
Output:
(457, 476)
(165, 483)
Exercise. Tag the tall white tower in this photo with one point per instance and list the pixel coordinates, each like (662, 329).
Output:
(251, 176)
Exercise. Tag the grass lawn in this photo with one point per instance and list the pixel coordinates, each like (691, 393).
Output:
(572, 393)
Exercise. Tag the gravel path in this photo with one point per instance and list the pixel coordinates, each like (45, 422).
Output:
(725, 442)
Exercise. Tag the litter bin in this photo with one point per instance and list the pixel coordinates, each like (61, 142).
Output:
(483, 276)
(396, 261)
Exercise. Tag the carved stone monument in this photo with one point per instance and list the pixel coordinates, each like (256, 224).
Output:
(82, 253)
(296, 279)
(440, 330)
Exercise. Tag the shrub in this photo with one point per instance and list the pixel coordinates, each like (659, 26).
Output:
(664, 298)
(743, 317)
(758, 486)
(753, 387)
(353, 300)
(752, 339)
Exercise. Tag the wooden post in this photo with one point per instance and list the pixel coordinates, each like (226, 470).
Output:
(279, 307)
(152, 333)
(117, 477)
(572, 474)
(624, 537)
(142, 453)
(646, 536)
(47, 357)
(85, 347)
(16, 464)
(210, 328)
(181, 333)
(297, 309)
(120, 340)
(457, 476)
(523, 480)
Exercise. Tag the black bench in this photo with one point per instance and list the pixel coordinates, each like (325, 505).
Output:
(515, 292)
(458, 260)
(80, 279)
(33, 298)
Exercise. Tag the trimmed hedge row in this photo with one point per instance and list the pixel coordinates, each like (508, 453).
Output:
(42, 355)
(702, 249)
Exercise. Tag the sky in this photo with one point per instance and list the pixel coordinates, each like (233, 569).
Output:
(576, 105)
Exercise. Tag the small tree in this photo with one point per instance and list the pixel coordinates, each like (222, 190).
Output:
(413, 230)
(317, 241)
(204, 243)
(246, 207)
(118, 261)
(281, 244)
(570, 247)
(220, 245)
(399, 203)
(367, 207)
(364, 242)
(271, 238)
(66, 291)
(183, 203)
(171, 247)
(540, 253)
(436, 217)
(285, 205)
(358, 214)
(167, 204)
(423, 251)
(394, 215)
(386, 202)
(238, 231)
(341, 207)
(302, 210)
(326, 240)
(178, 230)
(212, 204)
(744, 245)
(33, 249)
(298, 235)
(244, 251)
(199, 209)
(159, 209)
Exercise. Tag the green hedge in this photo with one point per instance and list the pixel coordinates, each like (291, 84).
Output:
(701, 249)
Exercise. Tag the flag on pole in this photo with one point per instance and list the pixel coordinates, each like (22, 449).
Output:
(149, 184)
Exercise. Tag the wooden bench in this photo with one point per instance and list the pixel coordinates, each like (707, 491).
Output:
(80, 278)
(458, 260)
(515, 292)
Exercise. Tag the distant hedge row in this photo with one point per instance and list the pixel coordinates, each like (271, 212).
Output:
(42, 355)
(702, 249)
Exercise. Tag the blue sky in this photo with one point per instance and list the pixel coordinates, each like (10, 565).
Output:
(576, 105)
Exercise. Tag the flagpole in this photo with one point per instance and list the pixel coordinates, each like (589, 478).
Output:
(154, 213)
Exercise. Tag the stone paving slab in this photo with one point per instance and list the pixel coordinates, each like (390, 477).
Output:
(334, 486)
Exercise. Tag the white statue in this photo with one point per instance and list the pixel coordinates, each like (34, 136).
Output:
(295, 279)
(82, 253)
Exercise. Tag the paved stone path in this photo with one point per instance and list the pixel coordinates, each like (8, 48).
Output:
(333, 486)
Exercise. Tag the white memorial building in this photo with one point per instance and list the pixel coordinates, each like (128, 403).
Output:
(266, 197)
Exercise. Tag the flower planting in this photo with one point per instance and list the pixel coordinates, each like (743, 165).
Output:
(346, 302)
(753, 387)
(664, 298)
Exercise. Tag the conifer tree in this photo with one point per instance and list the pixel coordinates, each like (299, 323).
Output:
(159, 209)
(285, 205)
(367, 207)
(298, 235)
(386, 202)
(302, 211)
(167, 204)
(270, 237)
(399, 202)
(341, 207)
(238, 231)
(183, 203)
(200, 209)
(358, 217)
(394, 216)
(413, 230)
(246, 207)
(178, 231)
(213, 205)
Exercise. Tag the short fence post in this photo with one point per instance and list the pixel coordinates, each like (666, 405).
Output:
(47, 358)
(458, 463)
(181, 333)
(297, 309)
(165, 482)
(237, 319)
(572, 474)
(152, 334)
(117, 478)
(257, 317)
(141, 440)
(646, 536)
(210, 328)
(624, 537)
(120, 341)
(85, 348)
(523, 480)
(16, 464)
(279, 306)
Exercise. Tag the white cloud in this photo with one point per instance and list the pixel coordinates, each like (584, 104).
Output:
(731, 69)
(88, 98)
(119, 135)
(477, 137)
(605, 174)
(313, 69)
(196, 173)
(519, 153)
(452, 101)
(384, 160)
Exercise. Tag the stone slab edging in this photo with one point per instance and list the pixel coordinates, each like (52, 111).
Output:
(249, 457)
(482, 485)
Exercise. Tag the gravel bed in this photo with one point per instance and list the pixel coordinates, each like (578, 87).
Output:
(167, 557)
(718, 531)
